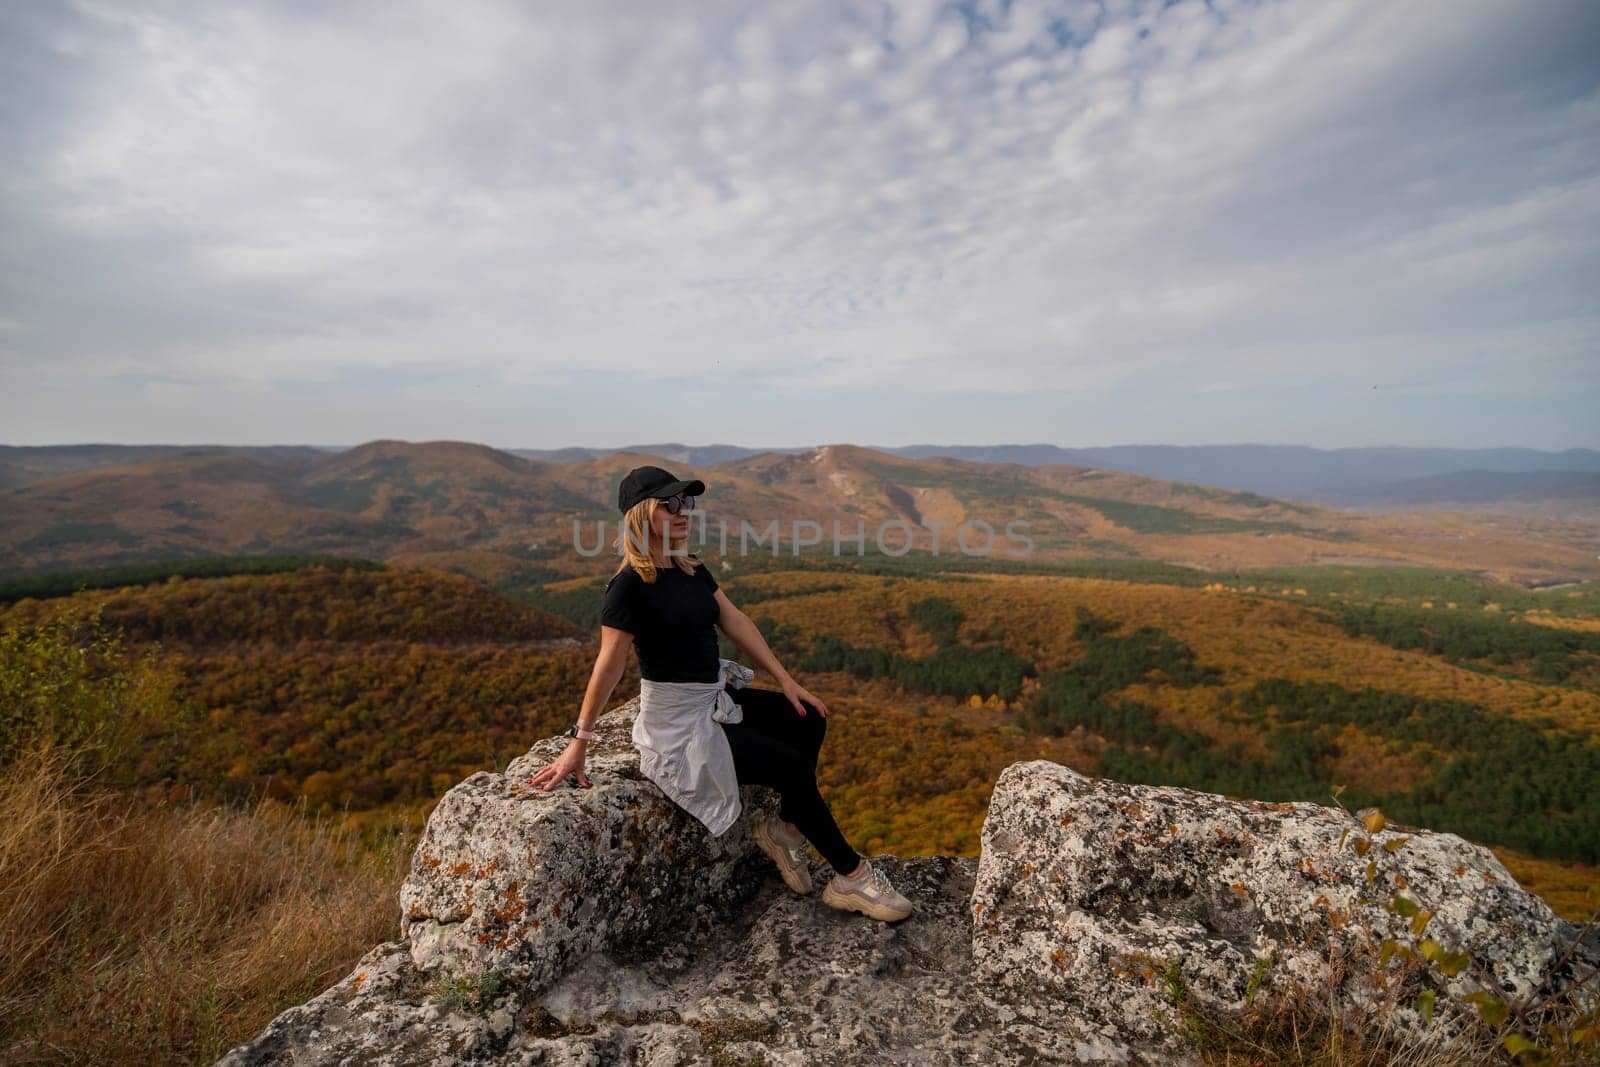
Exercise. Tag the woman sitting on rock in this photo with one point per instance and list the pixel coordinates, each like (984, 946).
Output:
(701, 730)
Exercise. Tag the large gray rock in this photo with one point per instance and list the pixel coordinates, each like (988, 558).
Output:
(513, 880)
(1088, 889)
(606, 926)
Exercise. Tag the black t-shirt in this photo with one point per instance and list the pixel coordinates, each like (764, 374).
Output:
(672, 620)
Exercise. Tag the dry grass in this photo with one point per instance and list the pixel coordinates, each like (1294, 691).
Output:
(1315, 1026)
(136, 934)
(1318, 1024)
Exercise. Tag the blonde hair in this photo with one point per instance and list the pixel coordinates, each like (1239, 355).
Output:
(634, 533)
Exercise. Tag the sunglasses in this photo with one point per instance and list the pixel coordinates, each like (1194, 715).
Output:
(678, 503)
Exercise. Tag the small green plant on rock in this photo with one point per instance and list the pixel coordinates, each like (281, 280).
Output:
(1257, 976)
(468, 993)
(1208, 1033)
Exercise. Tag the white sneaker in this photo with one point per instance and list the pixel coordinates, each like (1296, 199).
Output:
(870, 894)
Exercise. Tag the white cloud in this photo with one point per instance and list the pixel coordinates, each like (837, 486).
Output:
(866, 195)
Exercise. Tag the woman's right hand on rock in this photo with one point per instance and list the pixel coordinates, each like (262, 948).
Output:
(567, 765)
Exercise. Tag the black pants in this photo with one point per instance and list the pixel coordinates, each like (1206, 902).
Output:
(776, 746)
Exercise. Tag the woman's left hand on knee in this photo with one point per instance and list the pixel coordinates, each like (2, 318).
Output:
(798, 693)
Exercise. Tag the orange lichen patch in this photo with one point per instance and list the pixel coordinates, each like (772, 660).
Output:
(555, 909)
(1028, 868)
(488, 869)
(1173, 830)
(1066, 820)
(514, 906)
(431, 862)
(461, 868)
(1138, 967)
(1309, 868)
(977, 909)
(358, 980)
(1239, 887)
(1059, 958)
(1460, 870)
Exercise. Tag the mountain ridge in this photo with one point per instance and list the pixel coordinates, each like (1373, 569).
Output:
(1344, 477)
(422, 502)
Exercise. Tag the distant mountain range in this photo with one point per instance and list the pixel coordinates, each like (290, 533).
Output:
(25, 464)
(460, 506)
(1345, 477)
(1381, 478)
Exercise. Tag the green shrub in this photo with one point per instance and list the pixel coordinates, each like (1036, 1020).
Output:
(69, 683)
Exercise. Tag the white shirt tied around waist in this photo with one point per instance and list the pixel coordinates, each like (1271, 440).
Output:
(684, 751)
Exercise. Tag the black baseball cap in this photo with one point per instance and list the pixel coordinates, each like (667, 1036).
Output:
(642, 483)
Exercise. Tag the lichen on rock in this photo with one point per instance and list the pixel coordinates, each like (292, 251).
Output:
(1090, 890)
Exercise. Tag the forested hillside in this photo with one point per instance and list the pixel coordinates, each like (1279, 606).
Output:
(1468, 711)
(367, 691)
(371, 692)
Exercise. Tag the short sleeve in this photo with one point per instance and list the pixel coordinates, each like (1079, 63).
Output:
(704, 570)
(616, 610)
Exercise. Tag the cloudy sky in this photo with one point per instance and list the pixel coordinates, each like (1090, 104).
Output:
(538, 224)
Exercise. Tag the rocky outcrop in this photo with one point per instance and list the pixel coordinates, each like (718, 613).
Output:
(604, 925)
(512, 880)
(1111, 897)
(782, 980)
